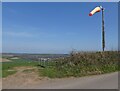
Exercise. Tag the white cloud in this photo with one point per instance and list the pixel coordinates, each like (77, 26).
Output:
(18, 34)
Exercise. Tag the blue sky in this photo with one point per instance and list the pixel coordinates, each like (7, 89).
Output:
(57, 27)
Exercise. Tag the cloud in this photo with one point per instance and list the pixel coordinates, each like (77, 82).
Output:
(17, 34)
(29, 34)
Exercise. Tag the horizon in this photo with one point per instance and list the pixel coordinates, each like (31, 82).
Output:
(59, 53)
(57, 28)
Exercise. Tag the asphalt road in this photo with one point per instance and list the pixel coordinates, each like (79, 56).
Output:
(0, 84)
(106, 81)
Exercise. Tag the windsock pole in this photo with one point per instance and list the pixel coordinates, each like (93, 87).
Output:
(103, 31)
(95, 10)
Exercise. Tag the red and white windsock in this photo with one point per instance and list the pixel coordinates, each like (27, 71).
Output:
(97, 9)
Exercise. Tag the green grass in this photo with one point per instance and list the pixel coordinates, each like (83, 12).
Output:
(15, 63)
(6, 73)
(28, 70)
(0, 70)
(51, 72)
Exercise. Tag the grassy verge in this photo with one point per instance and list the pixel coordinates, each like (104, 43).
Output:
(83, 64)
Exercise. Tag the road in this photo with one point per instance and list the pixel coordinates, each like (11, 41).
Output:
(106, 81)
(0, 84)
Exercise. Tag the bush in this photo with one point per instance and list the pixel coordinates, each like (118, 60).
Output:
(88, 63)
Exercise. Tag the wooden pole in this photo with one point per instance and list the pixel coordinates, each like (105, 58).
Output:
(103, 32)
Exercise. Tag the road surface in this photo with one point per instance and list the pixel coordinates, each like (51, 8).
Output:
(105, 81)
(0, 84)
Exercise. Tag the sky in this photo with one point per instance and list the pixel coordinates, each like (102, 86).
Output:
(49, 27)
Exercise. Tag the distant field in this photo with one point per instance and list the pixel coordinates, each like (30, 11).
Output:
(77, 64)
(4, 60)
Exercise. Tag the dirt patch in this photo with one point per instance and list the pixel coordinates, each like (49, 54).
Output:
(25, 76)
(4, 60)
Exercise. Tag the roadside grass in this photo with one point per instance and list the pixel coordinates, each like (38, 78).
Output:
(29, 70)
(83, 64)
(0, 69)
(51, 72)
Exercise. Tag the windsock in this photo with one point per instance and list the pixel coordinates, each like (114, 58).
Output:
(97, 9)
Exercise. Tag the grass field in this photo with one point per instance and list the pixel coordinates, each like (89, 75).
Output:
(8, 67)
(78, 64)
